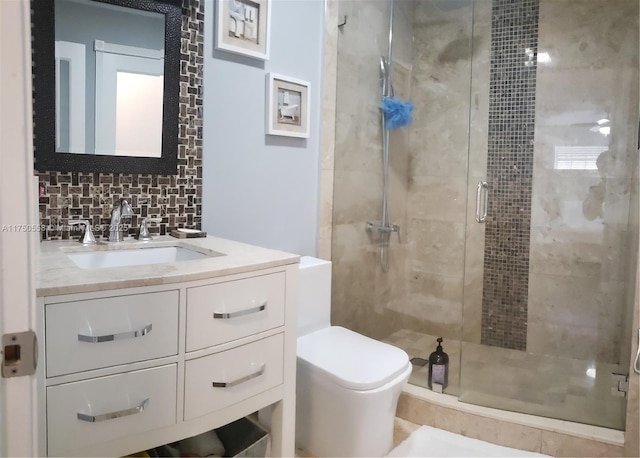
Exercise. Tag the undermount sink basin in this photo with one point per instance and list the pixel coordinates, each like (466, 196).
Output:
(134, 257)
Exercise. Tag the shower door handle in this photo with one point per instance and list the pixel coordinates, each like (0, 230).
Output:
(636, 362)
(483, 189)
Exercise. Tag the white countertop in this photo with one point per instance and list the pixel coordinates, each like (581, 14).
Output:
(57, 274)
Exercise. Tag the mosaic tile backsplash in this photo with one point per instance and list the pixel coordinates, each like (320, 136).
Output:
(177, 199)
(514, 41)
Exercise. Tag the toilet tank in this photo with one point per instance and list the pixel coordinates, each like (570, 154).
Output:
(314, 300)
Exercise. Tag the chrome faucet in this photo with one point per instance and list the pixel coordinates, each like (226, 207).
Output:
(120, 211)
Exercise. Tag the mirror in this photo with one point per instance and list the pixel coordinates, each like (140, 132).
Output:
(106, 85)
(109, 73)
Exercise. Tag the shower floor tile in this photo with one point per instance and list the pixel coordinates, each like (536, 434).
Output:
(543, 385)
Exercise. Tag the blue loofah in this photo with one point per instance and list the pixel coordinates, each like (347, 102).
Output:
(396, 112)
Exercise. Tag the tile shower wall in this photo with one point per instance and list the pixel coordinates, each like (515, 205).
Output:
(512, 93)
(438, 162)
(177, 199)
(581, 281)
(328, 140)
(362, 293)
(423, 290)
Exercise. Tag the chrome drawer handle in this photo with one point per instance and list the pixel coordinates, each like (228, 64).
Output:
(112, 415)
(226, 316)
(246, 378)
(121, 336)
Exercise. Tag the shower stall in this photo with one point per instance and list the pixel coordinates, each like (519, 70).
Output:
(526, 110)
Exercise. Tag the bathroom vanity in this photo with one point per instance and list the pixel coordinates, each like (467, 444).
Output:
(147, 343)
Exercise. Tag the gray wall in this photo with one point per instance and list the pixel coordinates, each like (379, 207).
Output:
(262, 189)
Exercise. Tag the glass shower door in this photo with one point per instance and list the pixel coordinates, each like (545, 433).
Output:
(436, 195)
(549, 278)
(420, 297)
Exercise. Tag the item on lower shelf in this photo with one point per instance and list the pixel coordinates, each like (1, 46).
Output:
(242, 438)
(206, 444)
(187, 233)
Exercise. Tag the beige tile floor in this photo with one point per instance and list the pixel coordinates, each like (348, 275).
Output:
(543, 385)
(401, 430)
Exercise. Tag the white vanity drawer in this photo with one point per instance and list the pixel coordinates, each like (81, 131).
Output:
(106, 398)
(227, 311)
(222, 379)
(95, 333)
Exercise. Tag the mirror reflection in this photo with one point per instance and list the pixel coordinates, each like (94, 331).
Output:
(109, 70)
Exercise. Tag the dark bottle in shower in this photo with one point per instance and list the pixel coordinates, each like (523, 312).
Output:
(439, 367)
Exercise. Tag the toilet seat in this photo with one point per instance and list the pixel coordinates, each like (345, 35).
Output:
(350, 359)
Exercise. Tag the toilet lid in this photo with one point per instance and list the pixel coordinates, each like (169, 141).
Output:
(351, 359)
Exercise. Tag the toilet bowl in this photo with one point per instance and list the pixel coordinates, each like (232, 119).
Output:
(348, 385)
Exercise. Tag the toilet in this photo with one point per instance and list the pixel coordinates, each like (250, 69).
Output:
(348, 385)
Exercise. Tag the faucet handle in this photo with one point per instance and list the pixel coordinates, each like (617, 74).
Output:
(143, 230)
(125, 208)
(87, 237)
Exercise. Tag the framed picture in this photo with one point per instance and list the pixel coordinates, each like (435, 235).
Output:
(243, 27)
(288, 108)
